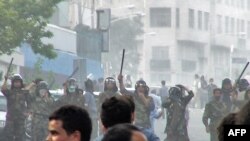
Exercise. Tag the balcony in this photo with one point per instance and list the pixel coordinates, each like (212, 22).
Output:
(193, 35)
(224, 40)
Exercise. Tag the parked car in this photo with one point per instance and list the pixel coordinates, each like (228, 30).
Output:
(3, 110)
(56, 94)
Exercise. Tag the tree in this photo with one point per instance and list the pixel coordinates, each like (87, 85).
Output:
(123, 35)
(38, 72)
(25, 21)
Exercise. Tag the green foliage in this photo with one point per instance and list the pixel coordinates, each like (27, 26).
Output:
(123, 34)
(38, 73)
(25, 21)
(38, 68)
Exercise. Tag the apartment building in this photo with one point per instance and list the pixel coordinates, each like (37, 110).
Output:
(196, 36)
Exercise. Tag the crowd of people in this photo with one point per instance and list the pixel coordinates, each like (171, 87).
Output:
(118, 113)
(220, 104)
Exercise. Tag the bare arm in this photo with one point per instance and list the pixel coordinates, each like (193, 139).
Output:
(123, 90)
(146, 100)
(30, 86)
(4, 86)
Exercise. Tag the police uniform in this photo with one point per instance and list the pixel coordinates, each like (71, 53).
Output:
(18, 103)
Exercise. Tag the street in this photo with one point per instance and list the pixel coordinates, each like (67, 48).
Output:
(196, 129)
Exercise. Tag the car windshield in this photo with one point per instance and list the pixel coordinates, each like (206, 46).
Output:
(3, 103)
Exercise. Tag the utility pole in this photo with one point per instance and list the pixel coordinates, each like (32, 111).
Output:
(92, 14)
(80, 11)
(211, 36)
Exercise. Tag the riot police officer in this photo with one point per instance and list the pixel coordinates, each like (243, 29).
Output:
(41, 109)
(71, 95)
(18, 104)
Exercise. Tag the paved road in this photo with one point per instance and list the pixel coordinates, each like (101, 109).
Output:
(196, 129)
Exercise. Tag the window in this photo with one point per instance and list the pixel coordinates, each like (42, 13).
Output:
(160, 53)
(232, 25)
(177, 17)
(238, 3)
(199, 20)
(160, 65)
(241, 43)
(188, 66)
(206, 20)
(191, 18)
(232, 2)
(242, 4)
(226, 24)
(238, 26)
(248, 4)
(160, 17)
(219, 1)
(242, 26)
(219, 24)
(160, 58)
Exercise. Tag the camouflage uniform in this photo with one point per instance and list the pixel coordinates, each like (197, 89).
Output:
(71, 99)
(41, 109)
(18, 103)
(215, 111)
(72, 95)
(176, 127)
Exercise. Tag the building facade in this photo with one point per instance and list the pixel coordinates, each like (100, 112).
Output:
(205, 37)
(196, 37)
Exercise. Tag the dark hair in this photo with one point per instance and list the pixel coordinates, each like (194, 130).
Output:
(202, 77)
(211, 79)
(115, 110)
(196, 76)
(226, 81)
(120, 132)
(216, 89)
(163, 82)
(37, 80)
(228, 120)
(74, 119)
(239, 118)
(130, 100)
(243, 116)
(89, 85)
